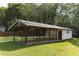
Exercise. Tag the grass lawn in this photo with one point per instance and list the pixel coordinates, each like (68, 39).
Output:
(65, 48)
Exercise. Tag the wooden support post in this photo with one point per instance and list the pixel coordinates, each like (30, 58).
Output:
(34, 36)
(39, 35)
(14, 37)
(49, 34)
(26, 35)
(21, 36)
(56, 35)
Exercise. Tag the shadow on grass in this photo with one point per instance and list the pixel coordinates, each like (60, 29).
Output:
(10, 46)
(74, 41)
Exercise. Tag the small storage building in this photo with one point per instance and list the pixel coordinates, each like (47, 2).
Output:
(2, 28)
(30, 28)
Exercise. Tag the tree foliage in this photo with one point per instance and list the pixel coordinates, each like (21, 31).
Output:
(66, 15)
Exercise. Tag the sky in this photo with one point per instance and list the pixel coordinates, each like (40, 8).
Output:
(5, 2)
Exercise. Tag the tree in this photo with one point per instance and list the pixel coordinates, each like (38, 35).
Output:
(65, 14)
(2, 16)
(47, 12)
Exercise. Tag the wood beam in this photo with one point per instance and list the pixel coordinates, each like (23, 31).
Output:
(56, 35)
(39, 35)
(49, 34)
(26, 35)
(14, 37)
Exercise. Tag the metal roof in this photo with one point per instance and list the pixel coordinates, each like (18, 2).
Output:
(35, 24)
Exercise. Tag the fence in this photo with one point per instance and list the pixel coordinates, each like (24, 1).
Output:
(11, 33)
(22, 38)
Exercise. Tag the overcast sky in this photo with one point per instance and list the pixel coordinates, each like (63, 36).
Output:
(5, 2)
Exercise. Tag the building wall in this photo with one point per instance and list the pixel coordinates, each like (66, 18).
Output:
(66, 34)
(52, 33)
(2, 29)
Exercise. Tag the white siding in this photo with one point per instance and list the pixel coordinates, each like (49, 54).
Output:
(2, 29)
(66, 34)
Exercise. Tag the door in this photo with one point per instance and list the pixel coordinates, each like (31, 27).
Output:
(59, 35)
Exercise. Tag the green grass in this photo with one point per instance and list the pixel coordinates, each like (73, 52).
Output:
(64, 48)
